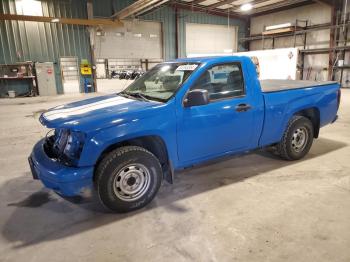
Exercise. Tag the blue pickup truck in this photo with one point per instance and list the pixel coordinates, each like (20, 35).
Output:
(179, 114)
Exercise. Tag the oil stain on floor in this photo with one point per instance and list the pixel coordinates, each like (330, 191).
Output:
(36, 199)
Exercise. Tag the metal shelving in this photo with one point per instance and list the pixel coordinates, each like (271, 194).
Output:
(24, 72)
(337, 49)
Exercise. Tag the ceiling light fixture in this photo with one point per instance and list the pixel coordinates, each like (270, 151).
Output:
(246, 7)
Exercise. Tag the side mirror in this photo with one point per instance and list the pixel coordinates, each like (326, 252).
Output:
(196, 97)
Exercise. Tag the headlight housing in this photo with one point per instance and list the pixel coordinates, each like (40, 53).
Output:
(68, 145)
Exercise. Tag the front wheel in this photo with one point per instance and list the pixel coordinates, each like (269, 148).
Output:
(128, 178)
(297, 139)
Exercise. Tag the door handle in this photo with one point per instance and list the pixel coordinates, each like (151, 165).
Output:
(243, 107)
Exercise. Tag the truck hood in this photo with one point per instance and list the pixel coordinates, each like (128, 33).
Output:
(95, 113)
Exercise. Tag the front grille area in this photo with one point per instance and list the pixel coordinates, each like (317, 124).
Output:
(49, 147)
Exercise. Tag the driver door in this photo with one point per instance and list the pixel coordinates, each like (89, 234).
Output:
(218, 127)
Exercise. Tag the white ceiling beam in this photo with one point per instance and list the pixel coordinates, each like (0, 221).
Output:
(271, 7)
(135, 8)
(151, 7)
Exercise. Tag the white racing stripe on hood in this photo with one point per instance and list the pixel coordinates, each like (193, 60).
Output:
(79, 110)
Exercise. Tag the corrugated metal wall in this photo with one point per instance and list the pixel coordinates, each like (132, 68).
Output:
(23, 41)
(32, 41)
(166, 15)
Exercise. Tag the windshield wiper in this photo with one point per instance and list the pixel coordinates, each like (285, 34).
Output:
(123, 93)
(136, 94)
(141, 96)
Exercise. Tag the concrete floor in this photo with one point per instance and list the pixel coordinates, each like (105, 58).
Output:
(250, 208)
(106, 86)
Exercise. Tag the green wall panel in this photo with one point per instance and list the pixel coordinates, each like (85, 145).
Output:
(43, 42)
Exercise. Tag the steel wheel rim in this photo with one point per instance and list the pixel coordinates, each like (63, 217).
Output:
(299, 139)
(131, 182)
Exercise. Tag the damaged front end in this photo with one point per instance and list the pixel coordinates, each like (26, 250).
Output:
(54, 160)
(65, 146)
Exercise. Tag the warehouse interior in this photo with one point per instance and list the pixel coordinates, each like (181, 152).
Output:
(247, 207)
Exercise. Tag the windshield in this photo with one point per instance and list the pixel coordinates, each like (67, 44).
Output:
(161, 82)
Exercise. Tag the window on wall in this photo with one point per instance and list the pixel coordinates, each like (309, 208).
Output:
(222, 81)
(29, 7)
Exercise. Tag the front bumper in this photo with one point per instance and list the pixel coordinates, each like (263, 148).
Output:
(67, 181)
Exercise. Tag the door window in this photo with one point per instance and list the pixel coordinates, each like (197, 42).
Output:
(222, 81)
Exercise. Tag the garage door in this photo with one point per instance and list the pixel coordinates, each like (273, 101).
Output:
(210, 39)
(137, 39)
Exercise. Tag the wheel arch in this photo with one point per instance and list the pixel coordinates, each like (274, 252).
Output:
(313, 114)
(153, 143)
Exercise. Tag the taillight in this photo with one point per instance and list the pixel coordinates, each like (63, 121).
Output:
(339, 96)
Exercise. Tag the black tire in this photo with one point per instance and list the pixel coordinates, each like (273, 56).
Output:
(289, 148)
(118, 168)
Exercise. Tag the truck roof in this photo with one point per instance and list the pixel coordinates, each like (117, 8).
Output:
(209, 59)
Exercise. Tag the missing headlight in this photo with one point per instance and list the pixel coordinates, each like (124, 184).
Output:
(65, 145)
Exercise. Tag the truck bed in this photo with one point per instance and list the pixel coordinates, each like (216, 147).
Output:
(275, 85)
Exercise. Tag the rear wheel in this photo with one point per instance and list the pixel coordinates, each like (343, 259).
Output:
(297, 139)
(128, 178)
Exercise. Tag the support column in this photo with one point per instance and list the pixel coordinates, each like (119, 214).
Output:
(332, 42)
(176, 32)
(90, 14)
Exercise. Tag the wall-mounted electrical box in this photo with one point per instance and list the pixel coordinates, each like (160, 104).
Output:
(45, 73)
